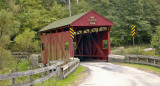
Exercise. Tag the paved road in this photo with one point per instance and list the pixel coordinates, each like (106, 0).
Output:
(107, 74)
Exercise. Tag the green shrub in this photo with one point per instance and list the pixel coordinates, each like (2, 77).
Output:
(26, 42)
(5, 58)
(135, 51)
(155, 42)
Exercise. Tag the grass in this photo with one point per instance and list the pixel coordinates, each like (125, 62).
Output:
(152, 69)
(142, 46)
(22, 66)
(67, 81)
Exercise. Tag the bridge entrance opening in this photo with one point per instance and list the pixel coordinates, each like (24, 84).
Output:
(91, 44)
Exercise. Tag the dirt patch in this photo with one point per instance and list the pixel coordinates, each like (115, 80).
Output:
(80, 77)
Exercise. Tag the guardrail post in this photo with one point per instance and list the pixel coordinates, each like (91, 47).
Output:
(128, 59)
(154, 61)
(137, 59)
(52, 71)
(13, 79)
(30, 77)
(61, 73)
(147, 60)
(48, 81)
(42, 74)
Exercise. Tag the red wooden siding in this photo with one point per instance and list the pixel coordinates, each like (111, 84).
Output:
(54, 46)
(99, 20)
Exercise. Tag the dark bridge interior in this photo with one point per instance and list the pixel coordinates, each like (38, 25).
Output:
(90, 45)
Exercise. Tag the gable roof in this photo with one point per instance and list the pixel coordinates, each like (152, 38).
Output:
(62, 22)
(79, 20)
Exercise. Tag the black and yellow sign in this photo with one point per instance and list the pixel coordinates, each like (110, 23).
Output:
(71, 33)
(133, 29)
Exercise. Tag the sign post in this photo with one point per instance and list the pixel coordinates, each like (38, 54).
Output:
(72, 37)
(133, 33)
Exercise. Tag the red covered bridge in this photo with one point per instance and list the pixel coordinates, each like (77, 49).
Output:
(91, 38)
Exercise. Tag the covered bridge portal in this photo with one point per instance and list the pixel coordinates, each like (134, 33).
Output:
(91, 38)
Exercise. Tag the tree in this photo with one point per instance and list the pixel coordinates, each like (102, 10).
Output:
(8, 26)
(5, 58)
(81, 7)
(155, 42)
(25, 41)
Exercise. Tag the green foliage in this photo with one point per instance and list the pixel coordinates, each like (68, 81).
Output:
(5, 58)
(23, 66)
(144, 14)
(104, 44)
(26, 42)
(57, 11)
(135, 51)
(66, 45)
(155, 42)
(81, 7)
(8, 26)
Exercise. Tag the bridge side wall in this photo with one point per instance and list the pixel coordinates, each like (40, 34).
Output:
(56, 46)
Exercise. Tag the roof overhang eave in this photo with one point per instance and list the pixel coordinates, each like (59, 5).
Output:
(53, 28)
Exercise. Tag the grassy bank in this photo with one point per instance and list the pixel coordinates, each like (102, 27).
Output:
(152, 69)
(22, 66)
(72, 80)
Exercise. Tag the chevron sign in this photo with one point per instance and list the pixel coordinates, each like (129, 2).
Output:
(71, 33)
(133, 29)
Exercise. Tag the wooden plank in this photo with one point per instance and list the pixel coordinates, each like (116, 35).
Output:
(30, 72)
(35, 81)
(71, 70)
(145, 63)
(69, 64)
(142, 56)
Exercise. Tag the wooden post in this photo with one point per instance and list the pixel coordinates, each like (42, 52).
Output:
(61, 73)
(128, 59)
(13, 79)
(42, 74)
(48, 72)
(137, 59)
(154, 61)
(147, 60)
(69, 7)
(53, 72)
(108, 39)
(30, 77)
(77, 1)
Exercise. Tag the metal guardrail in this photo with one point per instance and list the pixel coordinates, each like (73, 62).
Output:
(57, 69)
(141, 59)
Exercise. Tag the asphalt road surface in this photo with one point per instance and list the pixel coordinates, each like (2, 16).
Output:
(107, 74)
